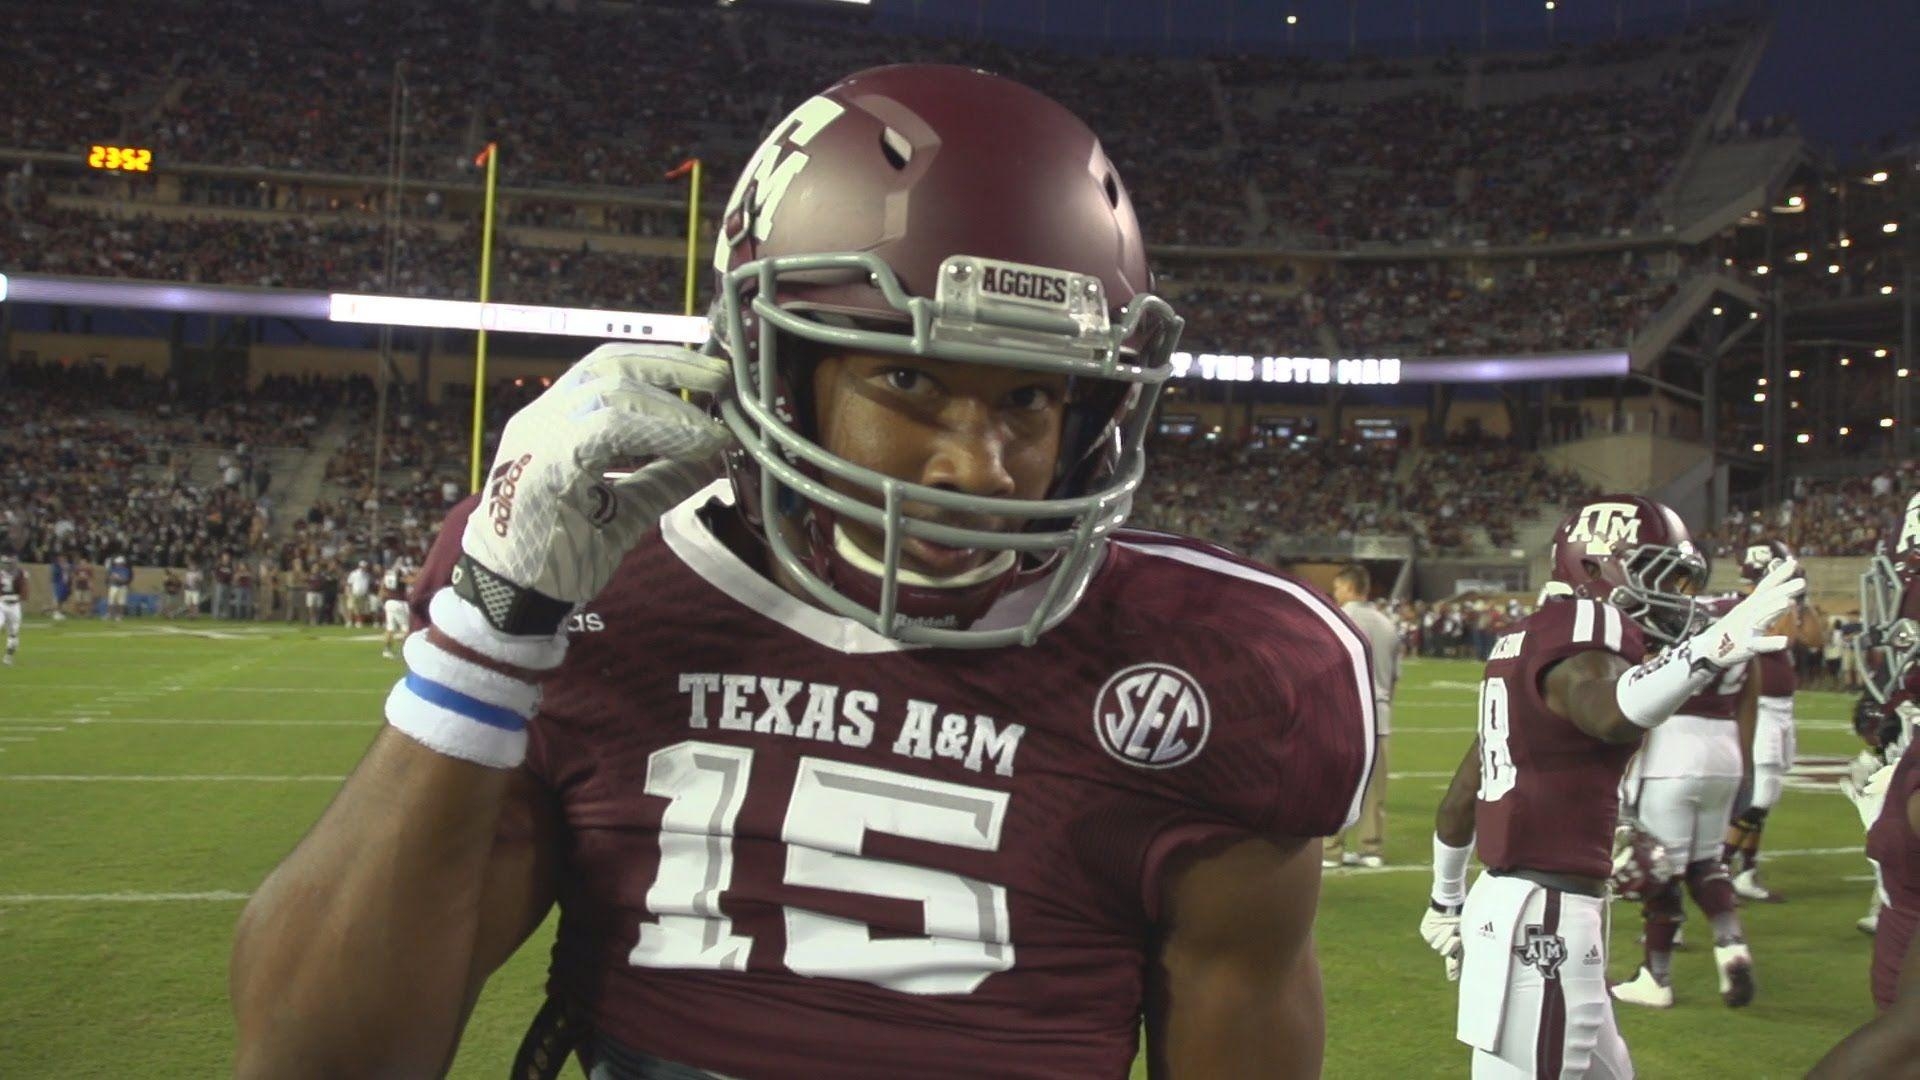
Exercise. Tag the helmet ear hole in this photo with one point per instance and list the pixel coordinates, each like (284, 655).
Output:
(1112, 187)
(895, 148)
(1592, 568)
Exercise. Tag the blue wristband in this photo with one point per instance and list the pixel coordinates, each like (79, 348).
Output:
(472, 708)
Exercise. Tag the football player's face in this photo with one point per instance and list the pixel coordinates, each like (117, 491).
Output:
(967, 428)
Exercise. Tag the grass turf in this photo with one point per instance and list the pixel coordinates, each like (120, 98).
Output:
(151, 774)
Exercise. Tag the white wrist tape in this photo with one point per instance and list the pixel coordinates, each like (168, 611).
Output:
(434, 663)
(456, 707)
(466, 624)
(1450, 872)
(1649, 693)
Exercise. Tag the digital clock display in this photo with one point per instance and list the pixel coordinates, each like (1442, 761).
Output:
(119, 158)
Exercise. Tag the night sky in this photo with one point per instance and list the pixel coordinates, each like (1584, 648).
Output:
(1847, 69)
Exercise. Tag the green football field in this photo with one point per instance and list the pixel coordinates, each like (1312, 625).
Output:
(151, 774)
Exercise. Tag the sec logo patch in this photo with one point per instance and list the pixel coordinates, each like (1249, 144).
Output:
(1152, 715)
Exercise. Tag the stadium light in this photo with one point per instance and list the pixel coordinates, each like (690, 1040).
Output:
(1794, 374)
(1846, 361)
(1886, 421)
(1753, 315)
(1833, 268)
(1718, 311)
(1796, 201)
(1762, 381)
(1879, 354)
(1761, 269)
(1886, 290)
(1890, 227)
(1879, 177)
(1903, 373)
(1759, 399)
(1803, 438)
(1550, 5)
(1845, 430)
(1293, 20)
(1846, 241)
(1796, 404)
(1759, 448)
(1800, 256)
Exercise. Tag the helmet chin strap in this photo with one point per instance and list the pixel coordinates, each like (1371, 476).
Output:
(857, 558)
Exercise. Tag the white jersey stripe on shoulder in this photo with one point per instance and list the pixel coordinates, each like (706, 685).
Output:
(1342, 630)
(1615, 632)
(1583, 621)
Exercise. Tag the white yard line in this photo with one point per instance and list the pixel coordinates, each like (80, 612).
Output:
(121, 898)
(182, 778)
(175, 688)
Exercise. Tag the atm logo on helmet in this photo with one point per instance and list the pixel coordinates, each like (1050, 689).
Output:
(1605, 527)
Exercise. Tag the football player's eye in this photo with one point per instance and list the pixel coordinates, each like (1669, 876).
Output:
(1031, 398)
(907, 380)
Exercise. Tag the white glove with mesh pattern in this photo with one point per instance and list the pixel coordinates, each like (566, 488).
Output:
(1440, 927)
(1741, 634)
(551, 528)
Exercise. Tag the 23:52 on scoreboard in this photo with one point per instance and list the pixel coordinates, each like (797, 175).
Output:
(119, 158)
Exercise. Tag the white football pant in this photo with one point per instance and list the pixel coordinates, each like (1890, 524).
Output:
(1533, 985)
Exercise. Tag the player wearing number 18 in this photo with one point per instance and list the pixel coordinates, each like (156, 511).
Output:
(892, 754)
(1566, 699)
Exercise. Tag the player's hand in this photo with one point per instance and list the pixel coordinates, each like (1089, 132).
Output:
(1867, 798)
(1440, 926)
(550, 522)
(1741, 634)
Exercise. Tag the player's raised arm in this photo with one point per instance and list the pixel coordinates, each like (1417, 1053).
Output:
(362, 952)
(1615, 703)
(1239, 987)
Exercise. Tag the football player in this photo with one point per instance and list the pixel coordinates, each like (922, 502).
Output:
(889, 755)
(13, 604)
(1567, 698)
(1889, 1044)
(1773, 733)
(393, 605)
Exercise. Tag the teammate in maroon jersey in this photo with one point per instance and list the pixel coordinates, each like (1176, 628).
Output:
(895, 755)
(1889, 1044)
(1566, 700)
(1773, 735)
(13, 605)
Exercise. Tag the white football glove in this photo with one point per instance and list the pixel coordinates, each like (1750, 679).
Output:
(1741, 634)
(549, 522)
(1440, 926)
(1867, 798)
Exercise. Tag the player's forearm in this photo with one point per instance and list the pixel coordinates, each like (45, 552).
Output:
(1453, 821)
(353, 957)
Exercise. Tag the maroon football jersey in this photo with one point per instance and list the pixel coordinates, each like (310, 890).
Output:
(1549, 792)
(13, 586)
(1892, 845)
(1776, 674)
(796, 848)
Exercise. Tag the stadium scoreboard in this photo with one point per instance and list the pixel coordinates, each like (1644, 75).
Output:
(109, 158)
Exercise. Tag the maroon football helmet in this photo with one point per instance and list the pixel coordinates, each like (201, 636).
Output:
(928, 210)
(1888, 645)
(1758, 557)
(1636, 554)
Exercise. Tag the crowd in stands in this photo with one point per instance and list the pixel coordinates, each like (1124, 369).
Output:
(1469, 493)
(1838, 516)
(604, 101)
(1435, 309)
(334, 256)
